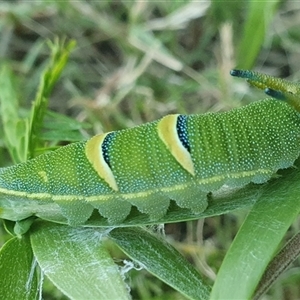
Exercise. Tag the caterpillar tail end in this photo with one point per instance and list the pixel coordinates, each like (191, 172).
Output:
(275, 87)
(241, 73)
(275, 94)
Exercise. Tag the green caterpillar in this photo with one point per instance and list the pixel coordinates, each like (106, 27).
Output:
(178, 157)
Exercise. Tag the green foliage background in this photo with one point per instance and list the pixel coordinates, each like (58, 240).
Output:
(135, 61)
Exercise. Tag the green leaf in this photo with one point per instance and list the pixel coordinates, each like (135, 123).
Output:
(61, 135)
(18, 278)
(75, 260)
(55, 121)
(258, 239)
(15, 129)
(260, 14)
(60, 51)
(22, 136)
(22, 226)
(58, 127)
(162, 260)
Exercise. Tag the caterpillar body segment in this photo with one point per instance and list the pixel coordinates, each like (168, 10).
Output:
(150, 171)
(233, 148)
(178, 157)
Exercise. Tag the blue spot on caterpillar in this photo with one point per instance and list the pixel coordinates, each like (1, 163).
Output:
(180, 158)
(181, 127)
(105, 147)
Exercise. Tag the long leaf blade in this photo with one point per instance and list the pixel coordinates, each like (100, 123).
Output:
(75, 260)
(258, 239)
(15, 129)
(162, 260)
(18, 279)
(260, 14)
